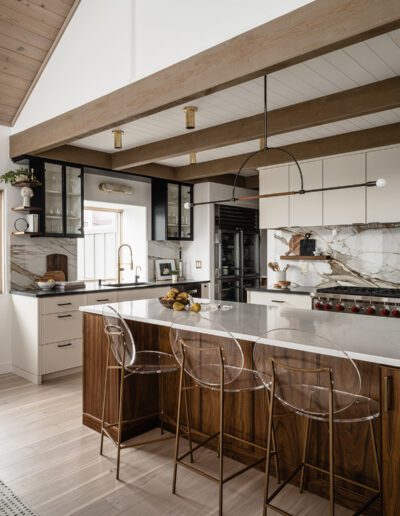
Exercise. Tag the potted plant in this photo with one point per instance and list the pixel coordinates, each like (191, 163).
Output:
(174, 275)
(15, 176)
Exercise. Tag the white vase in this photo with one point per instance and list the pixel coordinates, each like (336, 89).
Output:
(174, 278)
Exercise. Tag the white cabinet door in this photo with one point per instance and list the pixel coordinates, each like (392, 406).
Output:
(344, 206)
(274, 212)
(279, 300)
(141, 293)
(383, 203)
(306, 210)
(101, 298)
(61, 355)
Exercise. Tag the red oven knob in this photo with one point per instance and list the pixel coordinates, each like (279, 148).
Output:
(371, 310)
(385, 312)
(327, 306)
(318, 305)
(339, 307)
(355, 309)
(396, 312)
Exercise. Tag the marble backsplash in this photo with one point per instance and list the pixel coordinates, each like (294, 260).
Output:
(360, 255)
(160, 249)
(28, 258)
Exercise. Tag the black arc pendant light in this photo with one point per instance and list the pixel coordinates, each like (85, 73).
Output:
(266, 148)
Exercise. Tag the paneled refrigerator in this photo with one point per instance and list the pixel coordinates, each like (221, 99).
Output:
(237, 252)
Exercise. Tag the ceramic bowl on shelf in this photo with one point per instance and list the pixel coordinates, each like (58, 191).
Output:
(46, 285)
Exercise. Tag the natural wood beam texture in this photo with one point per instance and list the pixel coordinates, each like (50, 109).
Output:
(338, 144)
(153, 170)
(315, 29)
(363, 100)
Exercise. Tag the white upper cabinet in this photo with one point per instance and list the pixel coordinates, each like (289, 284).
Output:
(383, 204)
(306, 210)
(274, 212)
(344, 206)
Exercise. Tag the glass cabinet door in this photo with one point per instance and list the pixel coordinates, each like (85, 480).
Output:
(54, 199)
(186, 214)
(73, 204)
(173, 211)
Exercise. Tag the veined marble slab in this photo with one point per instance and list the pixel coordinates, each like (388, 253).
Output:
(157, 249)
(373, 339)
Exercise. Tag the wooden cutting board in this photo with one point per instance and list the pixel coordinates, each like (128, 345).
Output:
(54, 275)
(57, 262)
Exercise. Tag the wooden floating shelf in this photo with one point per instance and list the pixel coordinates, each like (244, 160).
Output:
(25, 233)
(21, 209)
(306, 258)
(29, 184)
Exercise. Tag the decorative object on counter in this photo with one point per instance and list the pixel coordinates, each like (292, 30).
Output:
(54, 275)
(294, 244)
(307, 245)
(266, 148)
(178, 301)
(57, 262)
(70, 285)
(21, 225)
(46, 285)
(164, 268)
(278, 274)
(33, 223)
(174, 276)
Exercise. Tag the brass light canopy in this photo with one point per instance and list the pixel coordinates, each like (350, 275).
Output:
(192, 158)
(117, 138)
(190, 116)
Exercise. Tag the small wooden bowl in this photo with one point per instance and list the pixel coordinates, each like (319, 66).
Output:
(170, 303)
(284, 284)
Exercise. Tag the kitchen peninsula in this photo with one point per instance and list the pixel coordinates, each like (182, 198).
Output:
(373, 345)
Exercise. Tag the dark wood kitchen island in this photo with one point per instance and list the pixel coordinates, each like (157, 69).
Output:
(372, 342)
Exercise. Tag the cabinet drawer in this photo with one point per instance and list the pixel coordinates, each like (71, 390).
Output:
(61, 355)
(99, 298)
(62, 326)
(278, 299)
(142, 293)
(52, 305)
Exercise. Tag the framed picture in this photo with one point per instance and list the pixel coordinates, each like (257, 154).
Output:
(164, 268)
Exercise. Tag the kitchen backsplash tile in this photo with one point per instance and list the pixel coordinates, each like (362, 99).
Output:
(28, 258)
(160, 249)
(360, 255)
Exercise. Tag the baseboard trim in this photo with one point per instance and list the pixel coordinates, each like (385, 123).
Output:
(5, 367)
(65, 372)
(33, 378)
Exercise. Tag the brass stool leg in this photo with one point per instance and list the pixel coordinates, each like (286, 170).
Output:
(305, 453)
(103, 410)
(221, 445)
(274, 448)
(161, 407)
(374, 448)
(178, 427)
(269, 449)
(121, 404)
(188, 418)
(331, 459)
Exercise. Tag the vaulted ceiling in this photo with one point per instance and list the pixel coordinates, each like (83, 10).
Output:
(29, 32)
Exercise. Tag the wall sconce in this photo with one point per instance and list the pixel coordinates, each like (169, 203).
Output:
(190, 116)
(117, 138)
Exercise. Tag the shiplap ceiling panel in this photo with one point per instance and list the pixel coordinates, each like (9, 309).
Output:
(28, 32)
(352, 124)
(367, 62)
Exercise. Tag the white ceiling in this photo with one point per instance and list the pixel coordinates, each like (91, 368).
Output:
(372, 60)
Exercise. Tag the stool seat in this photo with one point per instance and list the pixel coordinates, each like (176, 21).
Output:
(152, 362)
(316, 402)
(237, 379)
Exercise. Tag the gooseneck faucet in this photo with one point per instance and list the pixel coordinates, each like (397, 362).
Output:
(137, 276)
(119, 267)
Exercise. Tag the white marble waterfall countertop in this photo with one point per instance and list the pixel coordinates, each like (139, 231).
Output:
(372, 339)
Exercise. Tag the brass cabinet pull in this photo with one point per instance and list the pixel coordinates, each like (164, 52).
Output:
(64, 316)
(387, 393)
(64, 345)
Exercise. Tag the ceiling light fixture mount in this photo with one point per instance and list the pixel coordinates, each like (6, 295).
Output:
(264, 147)
(190, 116)
(192, 158)
(117, 138)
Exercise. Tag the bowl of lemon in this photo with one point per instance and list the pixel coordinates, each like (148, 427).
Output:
(178, 301)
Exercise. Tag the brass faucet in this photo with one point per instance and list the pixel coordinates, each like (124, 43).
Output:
(119, 268)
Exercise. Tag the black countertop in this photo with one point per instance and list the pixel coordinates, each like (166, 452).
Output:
(305, 291)
(92, 287)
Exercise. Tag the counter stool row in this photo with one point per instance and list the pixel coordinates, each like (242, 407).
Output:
(319, 387)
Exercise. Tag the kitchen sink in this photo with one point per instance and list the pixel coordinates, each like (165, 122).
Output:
(126, 284)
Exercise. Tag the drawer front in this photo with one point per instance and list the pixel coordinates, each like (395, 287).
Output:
(142, 293)
(59, 356)
(61, 326)
(100, 298)
(53, 305)
(278, 299)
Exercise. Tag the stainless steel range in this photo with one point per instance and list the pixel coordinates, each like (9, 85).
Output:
(373, 301)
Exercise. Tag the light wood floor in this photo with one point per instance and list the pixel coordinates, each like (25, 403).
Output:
(52, 463)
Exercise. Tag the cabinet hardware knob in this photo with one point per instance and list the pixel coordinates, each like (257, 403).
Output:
(64, 304)
(64, 316)
(387, 393)
(64, 345)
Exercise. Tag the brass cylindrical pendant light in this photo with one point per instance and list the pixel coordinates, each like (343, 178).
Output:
(190, 116)
(192, 158)
(117, 138)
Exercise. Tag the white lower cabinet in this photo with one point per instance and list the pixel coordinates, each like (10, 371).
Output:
(142, 293)
(59, 356)
(278, 299)
(61, 326)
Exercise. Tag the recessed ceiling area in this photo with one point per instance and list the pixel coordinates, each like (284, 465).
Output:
(363, 63)
(29, 32)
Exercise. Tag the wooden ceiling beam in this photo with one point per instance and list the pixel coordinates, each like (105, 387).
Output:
(337, 144)
(314, 29)
(363, 100)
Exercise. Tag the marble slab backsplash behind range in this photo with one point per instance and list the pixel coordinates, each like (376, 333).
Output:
(160, 249)
(28, 258)
(360, 255)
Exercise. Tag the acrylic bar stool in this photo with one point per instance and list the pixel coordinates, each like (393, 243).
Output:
(319, 387)
(129, 362)
(216, 362)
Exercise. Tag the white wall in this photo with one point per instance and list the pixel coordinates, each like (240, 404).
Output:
(167, 32)
(94, 57)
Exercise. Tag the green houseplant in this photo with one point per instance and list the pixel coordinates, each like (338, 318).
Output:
(15, 176)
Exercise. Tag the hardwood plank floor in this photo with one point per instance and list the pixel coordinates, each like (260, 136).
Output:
(51, 461)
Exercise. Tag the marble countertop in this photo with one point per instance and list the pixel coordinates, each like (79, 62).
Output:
(372, 339)
(305, 291)
(92, 286)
